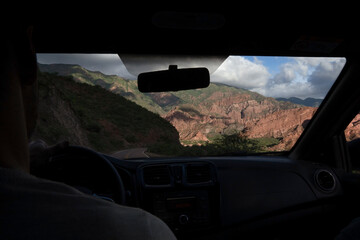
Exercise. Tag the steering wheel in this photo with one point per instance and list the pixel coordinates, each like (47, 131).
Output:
(68, 166)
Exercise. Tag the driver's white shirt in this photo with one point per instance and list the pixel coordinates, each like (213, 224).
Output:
(33, 208)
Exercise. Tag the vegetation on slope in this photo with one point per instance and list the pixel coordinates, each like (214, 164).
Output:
(95, 117)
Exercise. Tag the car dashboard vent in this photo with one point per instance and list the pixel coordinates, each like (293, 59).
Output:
(198, 173)
(325, 180)
(157, 175)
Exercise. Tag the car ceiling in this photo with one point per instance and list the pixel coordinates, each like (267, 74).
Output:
(239, 31)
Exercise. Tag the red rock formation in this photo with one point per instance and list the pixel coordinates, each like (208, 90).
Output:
(254, 119)
(353, 129)
(286, 125)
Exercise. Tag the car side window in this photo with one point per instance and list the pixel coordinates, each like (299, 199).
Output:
(352, 135)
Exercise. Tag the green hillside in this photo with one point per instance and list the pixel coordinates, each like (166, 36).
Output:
(115, 84)
(95, 117)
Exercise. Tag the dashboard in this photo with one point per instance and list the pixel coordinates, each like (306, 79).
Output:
(215, 197)
(226, 197)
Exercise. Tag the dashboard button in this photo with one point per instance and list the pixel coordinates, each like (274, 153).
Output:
(183, 219)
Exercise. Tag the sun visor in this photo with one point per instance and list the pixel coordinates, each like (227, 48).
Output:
(136, 64)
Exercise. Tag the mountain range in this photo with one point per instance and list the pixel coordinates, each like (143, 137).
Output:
(309, 102)
(201, 115)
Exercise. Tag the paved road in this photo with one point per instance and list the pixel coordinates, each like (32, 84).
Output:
(131, 153)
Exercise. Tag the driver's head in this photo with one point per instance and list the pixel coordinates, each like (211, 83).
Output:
(18, 96)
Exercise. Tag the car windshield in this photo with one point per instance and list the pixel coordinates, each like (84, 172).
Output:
(254, 104)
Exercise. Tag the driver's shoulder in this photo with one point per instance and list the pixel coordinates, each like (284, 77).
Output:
(21, 182)
(53, 205)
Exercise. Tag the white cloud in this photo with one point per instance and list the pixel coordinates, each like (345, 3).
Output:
(287, 74)
(324, 75)
(304, 77)
(240, 72)
(296, 77)
(293, 89)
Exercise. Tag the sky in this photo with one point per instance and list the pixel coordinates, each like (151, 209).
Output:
(300, 77)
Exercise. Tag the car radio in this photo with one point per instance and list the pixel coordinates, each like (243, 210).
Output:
(183, 209)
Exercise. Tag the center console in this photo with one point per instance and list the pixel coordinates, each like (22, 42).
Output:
(183, 195)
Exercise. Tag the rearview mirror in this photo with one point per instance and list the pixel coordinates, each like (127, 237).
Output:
(174, 79)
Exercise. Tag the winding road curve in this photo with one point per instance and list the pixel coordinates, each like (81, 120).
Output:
(131, 153)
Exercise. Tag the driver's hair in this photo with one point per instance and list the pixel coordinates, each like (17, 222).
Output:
(6, 48)
(18, 63)
(18, 54)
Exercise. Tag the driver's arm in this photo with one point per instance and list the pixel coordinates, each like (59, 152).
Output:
(40, 153)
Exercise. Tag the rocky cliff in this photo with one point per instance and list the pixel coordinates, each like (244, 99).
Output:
(225, 110)
(285, 125)
(254, 119)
